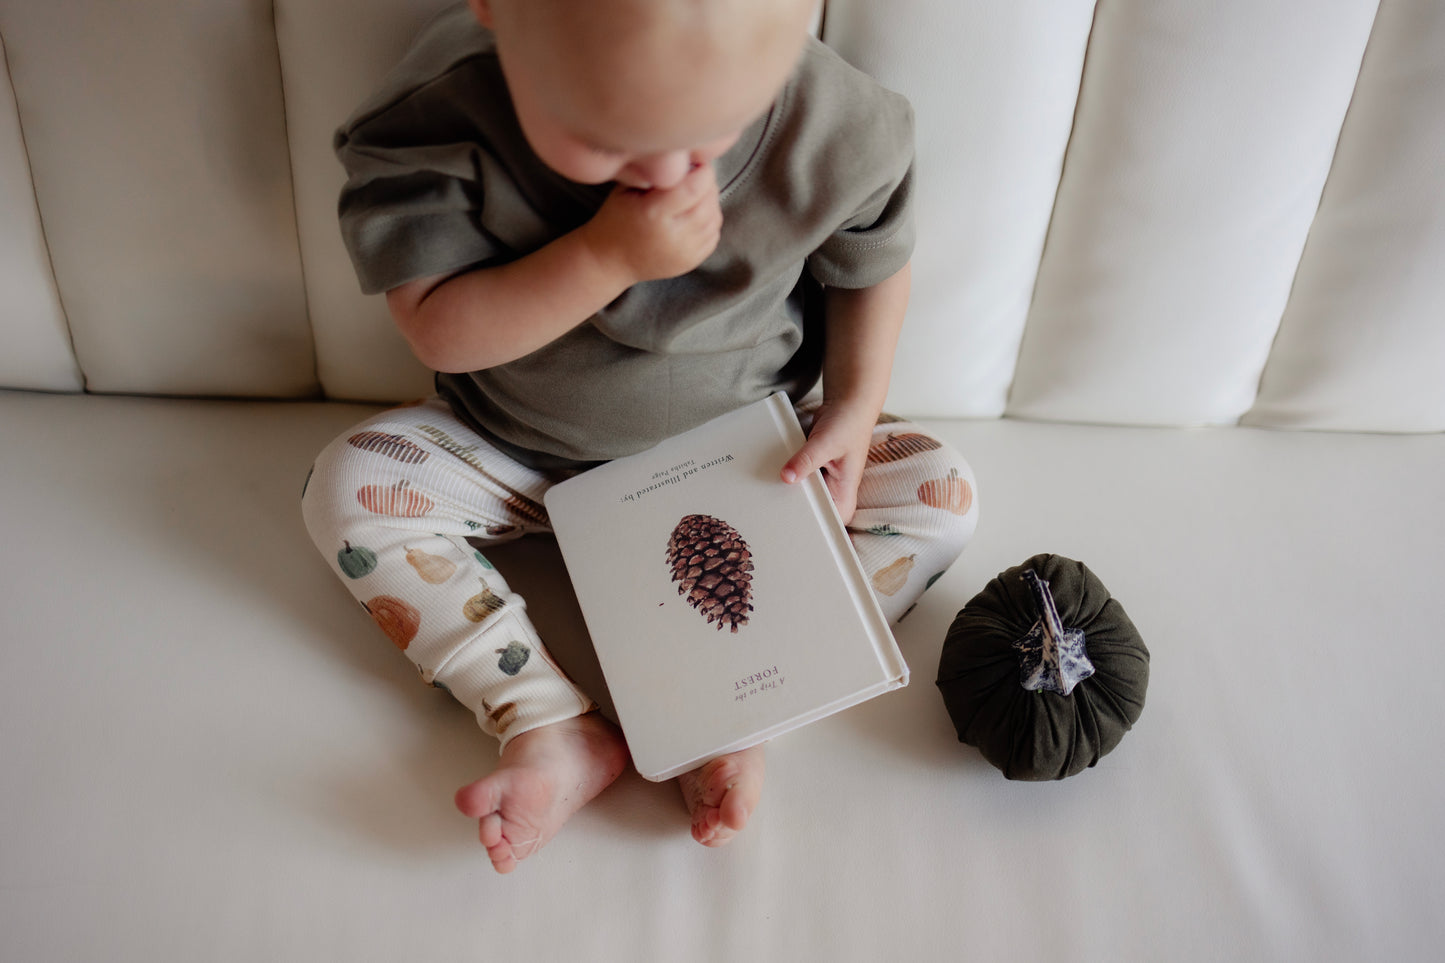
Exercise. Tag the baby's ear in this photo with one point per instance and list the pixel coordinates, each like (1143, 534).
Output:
(482, 10)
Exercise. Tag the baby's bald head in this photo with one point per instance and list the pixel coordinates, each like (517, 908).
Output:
(641, 80)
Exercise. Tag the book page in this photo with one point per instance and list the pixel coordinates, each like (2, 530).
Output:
(797, 641)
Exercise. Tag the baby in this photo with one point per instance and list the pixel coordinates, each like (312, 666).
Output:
(603, 222)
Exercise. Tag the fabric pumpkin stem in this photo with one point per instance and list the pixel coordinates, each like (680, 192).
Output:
(1051, 657)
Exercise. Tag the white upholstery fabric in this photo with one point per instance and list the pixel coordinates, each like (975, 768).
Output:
(1203, 138)
(333, 53)
(158, 147)
(34, 342)
(993, 87)
(210, 752)
(1362, 345)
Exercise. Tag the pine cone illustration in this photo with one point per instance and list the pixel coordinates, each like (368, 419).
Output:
(712, 567)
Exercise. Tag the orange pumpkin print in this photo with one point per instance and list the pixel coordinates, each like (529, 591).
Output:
(397, 619)
(400, 500)
(952, 494)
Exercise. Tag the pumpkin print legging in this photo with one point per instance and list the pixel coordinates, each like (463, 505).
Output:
(400, 504)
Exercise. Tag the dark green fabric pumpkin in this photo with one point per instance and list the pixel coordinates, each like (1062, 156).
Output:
(993, 647)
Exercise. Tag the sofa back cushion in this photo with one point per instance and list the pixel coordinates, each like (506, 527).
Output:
(157, 142)
(1135, 211)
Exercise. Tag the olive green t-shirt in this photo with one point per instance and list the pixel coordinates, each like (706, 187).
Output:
(816, 192)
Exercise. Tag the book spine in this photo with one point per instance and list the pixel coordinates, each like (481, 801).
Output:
(890, 659)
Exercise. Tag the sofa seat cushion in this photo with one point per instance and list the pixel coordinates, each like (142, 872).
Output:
(210, 752)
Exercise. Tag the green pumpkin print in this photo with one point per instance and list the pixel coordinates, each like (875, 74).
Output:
(513, 657)
(356, 562)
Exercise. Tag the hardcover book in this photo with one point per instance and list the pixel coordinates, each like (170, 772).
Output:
(726, 606)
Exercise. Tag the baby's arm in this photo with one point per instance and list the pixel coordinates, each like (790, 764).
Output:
(489, 316)
(862, 336)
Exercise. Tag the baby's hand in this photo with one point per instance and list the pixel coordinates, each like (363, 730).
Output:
(838, 444)
(659, 234)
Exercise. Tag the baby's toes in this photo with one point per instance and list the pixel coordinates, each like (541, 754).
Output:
(503, 860)
(735, 810)
(722, 795)
(499, 850)
(489, 830)
(706, 820)
(719, 778)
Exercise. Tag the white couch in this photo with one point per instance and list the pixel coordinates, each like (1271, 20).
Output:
(1158, 240)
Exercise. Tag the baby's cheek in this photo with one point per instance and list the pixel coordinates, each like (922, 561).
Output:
(579, 164)
(588, 172)
(711, 152)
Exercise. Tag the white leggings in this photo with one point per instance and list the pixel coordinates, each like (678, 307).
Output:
(398, 504)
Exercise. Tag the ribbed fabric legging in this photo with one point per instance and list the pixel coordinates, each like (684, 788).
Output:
(399, 504)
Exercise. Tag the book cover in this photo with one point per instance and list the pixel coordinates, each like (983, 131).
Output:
(726, 607)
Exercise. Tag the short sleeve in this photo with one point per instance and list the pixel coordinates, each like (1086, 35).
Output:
(852, 144)
(431, 162)
(411, 212)
(874, 243)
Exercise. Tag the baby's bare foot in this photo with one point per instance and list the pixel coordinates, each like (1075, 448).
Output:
(545, 776)
(722, 794)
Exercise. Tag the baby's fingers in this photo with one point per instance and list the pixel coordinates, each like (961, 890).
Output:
(815, 455)
(800, 465)
(701, 179)
(698, 187)
(840, 474)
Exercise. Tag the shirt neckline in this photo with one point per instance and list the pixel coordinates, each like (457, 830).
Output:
(745, 153)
